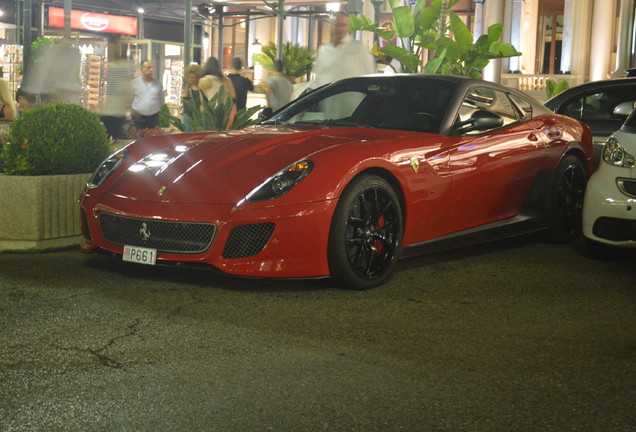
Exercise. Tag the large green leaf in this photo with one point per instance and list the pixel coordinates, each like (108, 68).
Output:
(494, 32)
(461, 33)
(409, 61)
(404, 23)
(502, 49)
(433, 65)
(428, 19)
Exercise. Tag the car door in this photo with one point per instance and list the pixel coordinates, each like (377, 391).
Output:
(492, 168)
(596, 108)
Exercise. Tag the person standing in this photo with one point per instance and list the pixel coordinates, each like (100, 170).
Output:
(213, 79)
(117, 97)
(147, 98)
(241, 84)
(277, 87)
(192, 93)
(344, 57)
(7, 106)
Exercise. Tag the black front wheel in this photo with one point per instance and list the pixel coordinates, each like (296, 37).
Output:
(566, 200)
(366, 234)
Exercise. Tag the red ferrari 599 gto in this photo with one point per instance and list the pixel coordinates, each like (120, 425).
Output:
(344, 181)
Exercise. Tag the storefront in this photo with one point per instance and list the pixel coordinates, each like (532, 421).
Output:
(10, 50)
(90, 32)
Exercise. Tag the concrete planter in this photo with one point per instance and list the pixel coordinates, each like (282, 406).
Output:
(40, 212)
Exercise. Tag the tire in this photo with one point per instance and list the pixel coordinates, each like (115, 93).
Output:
(366, 234)
(565, 204)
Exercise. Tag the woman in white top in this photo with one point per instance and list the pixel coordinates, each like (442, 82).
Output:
(213, 79)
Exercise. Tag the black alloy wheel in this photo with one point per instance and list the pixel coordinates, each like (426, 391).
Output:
(565, 217)
(366, 234)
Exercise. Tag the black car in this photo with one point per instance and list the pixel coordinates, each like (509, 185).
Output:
(602, 105)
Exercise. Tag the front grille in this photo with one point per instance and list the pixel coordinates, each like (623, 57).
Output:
(165, 236)
(247, 240)
(628, 187)
(615, 229)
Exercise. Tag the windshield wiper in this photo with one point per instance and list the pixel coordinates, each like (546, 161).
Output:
(345, 122)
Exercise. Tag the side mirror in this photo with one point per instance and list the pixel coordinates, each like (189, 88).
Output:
(624, 109)
(484, 123)
(265, 113)
(479, 123)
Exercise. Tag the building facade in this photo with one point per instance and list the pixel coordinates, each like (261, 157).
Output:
(573, 40)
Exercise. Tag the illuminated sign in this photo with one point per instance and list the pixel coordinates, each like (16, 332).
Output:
(97, 22)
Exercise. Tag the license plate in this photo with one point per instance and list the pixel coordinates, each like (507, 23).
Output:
(140, 255)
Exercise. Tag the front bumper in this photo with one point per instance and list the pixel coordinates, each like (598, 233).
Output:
(296, 247)
(609, 214)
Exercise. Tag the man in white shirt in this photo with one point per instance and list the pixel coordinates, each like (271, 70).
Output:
(277, 87)
(147, 98)
(344, 57)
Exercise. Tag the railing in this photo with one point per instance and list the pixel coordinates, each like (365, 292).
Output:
(535, 85)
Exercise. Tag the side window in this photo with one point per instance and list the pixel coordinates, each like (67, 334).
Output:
(484, 103)
(523, 105)
(599, 105)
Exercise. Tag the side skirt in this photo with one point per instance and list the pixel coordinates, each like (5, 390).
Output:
(507, 228)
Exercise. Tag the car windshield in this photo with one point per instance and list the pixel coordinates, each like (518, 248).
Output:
(403, 103)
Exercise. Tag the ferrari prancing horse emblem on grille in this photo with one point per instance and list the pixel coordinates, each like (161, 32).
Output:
(145, 233)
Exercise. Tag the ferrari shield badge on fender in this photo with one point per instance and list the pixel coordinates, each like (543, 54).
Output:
(162, 190)
(415, 163)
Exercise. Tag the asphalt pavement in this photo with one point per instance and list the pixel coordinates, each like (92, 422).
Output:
(513, 336)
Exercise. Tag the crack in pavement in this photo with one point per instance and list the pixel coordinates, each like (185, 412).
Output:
(195, 300)
(105, 360)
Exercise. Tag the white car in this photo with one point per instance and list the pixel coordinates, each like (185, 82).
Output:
(609, 206)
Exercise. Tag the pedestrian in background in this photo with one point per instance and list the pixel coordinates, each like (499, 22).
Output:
(241, 84)
(7, 106)
(24, 100)
(117, 99)
(277, 87)
(344, 57)
(148, 98)
(213, 79)
(192, 93)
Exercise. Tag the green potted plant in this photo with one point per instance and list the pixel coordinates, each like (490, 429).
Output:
(553, 87)
(297, 60)
(424, 27)
(216, 114)
(48, 155)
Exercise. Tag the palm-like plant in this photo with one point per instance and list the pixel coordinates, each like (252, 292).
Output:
(216, 113)
(297, 60)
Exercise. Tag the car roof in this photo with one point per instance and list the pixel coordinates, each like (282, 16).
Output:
(463, 84)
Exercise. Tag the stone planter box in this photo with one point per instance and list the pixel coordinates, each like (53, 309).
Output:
(40, 212)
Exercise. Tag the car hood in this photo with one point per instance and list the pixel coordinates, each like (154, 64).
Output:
(221, 167)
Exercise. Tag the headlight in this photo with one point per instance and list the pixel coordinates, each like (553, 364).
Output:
(614, 154)
(107, 167)
(282, 182)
